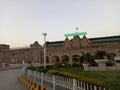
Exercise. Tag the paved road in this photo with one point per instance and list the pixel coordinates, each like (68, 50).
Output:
(9, 80)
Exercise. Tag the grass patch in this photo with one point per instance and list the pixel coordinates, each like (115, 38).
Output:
(111, 78)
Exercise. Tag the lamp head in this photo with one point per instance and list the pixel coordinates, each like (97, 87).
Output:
(45, 34)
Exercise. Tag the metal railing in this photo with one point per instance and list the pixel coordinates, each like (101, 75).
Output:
(52, 82)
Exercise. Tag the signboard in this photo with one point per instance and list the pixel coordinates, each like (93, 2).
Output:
(75, 34)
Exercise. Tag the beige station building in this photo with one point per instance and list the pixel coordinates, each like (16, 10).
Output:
(59, 51)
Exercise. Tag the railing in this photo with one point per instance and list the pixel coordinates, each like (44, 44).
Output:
(51, 82)
(11, 67)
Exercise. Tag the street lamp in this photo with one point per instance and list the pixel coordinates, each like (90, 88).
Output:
(44, 34)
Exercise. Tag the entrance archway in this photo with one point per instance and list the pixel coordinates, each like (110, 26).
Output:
(76, 58)
(65, 59)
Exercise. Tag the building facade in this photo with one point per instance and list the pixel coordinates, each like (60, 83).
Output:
(68, 50)
(71, 50)
(34, 53)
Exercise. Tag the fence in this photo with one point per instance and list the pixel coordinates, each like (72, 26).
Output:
(51, 82)
(11, 67)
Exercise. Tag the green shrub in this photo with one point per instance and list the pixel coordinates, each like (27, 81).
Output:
(53, 72)
(39, 69)
(44, 70)
(68, 66)
(55, 66)
(94, 64)
(75, 65)
(109, 63)
(31, 68)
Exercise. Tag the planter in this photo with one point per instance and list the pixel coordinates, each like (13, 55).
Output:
(101, 64)
(85, 65)
(117, 64)
(101, 60)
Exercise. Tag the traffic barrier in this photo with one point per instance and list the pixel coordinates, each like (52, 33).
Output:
(30, 84)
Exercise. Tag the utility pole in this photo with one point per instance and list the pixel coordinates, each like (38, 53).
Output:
(44, 34)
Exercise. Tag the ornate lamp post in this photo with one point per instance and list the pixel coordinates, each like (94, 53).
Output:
(44, 34)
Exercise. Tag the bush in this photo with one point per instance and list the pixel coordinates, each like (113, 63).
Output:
(68, 66)
(109, 63)
(49, 66)
(53, 72)
(93, 64)
(39, 69)
(44, 70)
(55, 66)
(75, 65)
(31, 68)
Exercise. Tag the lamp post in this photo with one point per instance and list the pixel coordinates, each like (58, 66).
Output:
(44, 34)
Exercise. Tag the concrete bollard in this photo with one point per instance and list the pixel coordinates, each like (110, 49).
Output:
(30, 84)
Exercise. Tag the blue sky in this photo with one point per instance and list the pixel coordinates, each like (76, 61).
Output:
(23, 21)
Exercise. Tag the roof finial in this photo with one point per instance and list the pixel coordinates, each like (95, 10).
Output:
(76, 28)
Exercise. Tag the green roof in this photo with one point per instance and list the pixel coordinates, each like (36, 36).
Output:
(93, 40)
(105, 39)
(55, 43)
(36, 43)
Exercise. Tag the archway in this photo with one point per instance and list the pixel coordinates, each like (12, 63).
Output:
(55, 59)
(76, 58)
(47, 59)
(65, 59)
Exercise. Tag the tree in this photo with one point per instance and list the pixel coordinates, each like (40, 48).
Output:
(100, 54)
(87, 57)
(111, 55)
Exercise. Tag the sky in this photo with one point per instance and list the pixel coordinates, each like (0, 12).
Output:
(22, 22)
